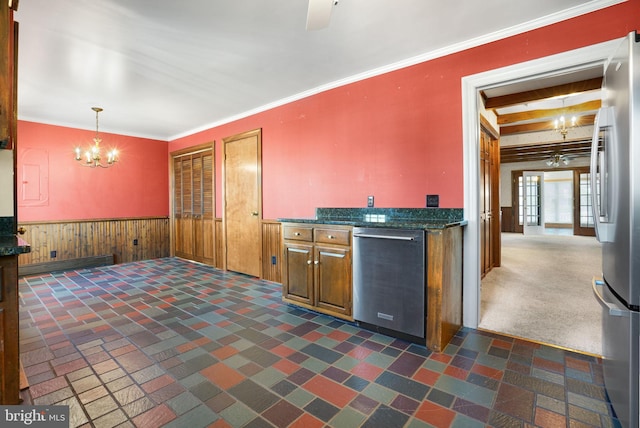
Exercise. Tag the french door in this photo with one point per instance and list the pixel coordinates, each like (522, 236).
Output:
(532, 204)
(583, 221)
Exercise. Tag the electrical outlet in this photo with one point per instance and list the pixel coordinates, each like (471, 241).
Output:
(273, 260)
(433, 201)
(135, 242)
(54, 254)
(370, 201)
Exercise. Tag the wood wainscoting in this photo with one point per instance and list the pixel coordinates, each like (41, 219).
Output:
(127, 239)
(271, 251)
(271, 247)
(83, 239)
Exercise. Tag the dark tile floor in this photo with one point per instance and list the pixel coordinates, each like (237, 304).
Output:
(177, 344)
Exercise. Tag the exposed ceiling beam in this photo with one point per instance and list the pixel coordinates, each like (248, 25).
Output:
(543, 93)
(548, 113)
(540, 126)
(539, 152)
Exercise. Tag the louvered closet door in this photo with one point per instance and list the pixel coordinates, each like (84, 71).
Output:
(187, 208)
(177, 207)
(193, 206)
(208, 215)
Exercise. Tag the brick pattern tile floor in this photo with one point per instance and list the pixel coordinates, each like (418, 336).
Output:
(171, 343)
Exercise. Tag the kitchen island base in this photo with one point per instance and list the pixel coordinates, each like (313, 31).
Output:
(306, 279)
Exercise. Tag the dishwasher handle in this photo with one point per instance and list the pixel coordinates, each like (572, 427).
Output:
(392, 237)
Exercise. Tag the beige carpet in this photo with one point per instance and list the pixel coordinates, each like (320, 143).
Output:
(542, 291)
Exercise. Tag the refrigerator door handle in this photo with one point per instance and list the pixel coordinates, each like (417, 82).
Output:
(596, 285)
(599, 174)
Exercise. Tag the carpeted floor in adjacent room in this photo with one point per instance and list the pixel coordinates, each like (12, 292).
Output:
(542, 291)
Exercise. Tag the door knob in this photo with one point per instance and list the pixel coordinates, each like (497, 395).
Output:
(254, 213)
(21, 230)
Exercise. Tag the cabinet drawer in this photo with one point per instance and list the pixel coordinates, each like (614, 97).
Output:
(333, 236)
(298, 233)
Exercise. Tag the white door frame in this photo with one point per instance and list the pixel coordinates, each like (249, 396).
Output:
(530, 70)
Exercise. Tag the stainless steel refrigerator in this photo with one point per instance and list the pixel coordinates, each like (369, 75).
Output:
(615, 180)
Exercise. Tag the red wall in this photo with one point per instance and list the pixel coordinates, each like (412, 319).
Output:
(137, 186)
(397, 136)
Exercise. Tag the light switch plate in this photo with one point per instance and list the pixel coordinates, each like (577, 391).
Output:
(433, 201)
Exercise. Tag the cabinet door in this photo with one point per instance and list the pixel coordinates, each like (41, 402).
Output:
(297, 280)
(333, 279)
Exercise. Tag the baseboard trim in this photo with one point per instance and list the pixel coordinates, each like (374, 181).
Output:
(61, 265)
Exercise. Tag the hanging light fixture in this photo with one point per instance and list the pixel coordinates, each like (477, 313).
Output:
(560, 123)
(92, 157)
(556, 159)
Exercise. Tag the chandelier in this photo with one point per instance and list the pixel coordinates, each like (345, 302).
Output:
(92, 157)
(560, 124)
(556, 159)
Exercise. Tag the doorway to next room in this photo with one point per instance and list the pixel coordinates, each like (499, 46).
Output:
(537, 248)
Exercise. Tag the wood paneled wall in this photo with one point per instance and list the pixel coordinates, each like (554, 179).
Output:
(271, 247)
(86, 238)
(219, 245)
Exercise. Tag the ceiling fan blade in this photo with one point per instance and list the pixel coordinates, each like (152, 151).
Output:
(319, 13)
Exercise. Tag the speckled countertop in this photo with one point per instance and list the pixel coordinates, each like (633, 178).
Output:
(10, 244)
(397, 218)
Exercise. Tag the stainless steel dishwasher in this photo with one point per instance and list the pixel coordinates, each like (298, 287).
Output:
(389, 288)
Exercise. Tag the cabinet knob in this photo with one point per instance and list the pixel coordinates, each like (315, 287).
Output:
(308, 262)
(297, 233)
(331, 237)
(254, 213)
(316, 262)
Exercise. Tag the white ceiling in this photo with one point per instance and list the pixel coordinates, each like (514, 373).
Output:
(165, 68)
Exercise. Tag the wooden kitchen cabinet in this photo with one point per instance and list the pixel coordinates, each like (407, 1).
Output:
(317, 268)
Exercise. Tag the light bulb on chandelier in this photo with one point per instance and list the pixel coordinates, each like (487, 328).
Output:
(92, 157)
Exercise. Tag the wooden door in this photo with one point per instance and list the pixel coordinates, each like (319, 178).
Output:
(489, 202)
(193, 205)
(187, 209)
(243, 202)
(9, 317)
(9, 338)
(207, 214)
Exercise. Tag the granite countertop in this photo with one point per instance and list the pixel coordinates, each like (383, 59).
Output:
(395, 218)
(11, 245)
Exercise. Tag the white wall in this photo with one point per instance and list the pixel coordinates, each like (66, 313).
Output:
(6, 183)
